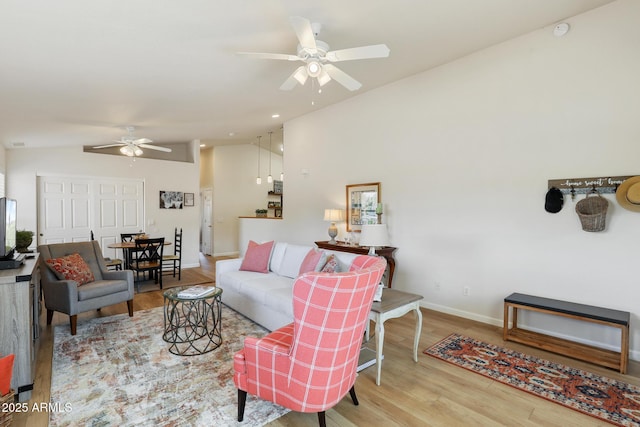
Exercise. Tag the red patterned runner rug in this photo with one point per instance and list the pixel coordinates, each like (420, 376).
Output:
(604, 398)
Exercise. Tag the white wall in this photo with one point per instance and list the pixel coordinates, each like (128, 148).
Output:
(24, 165)
(464, 153)
(236, 192)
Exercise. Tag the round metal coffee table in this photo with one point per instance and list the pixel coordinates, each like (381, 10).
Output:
(192, 325)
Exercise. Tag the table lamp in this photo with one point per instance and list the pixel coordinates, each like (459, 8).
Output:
(333, 216)
(374, 235)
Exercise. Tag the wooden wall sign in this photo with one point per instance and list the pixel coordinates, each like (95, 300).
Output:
(573, 186)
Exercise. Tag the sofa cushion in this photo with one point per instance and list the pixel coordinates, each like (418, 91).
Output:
(293, 257)
(257, 257)
(277, 254)
(71, 267)
(313, 261)
(281, 300)
(100, 288)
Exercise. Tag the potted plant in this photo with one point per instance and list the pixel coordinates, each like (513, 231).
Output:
(261, 212)
(23, 240)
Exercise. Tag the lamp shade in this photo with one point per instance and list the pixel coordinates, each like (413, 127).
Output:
(374, 235)
(333, 215)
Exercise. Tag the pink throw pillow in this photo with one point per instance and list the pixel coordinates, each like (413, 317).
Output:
(311, 261)
(6, 369)
(257, 257)
(71, 267)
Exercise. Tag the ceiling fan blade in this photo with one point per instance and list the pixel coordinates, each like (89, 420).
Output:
(141, 141)
(298, 76)
(363, 52)
(341, 77)
(304, 32)
(155, 147)
(109, 145)
(282, 56)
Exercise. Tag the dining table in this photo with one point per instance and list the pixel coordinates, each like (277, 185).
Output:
(126, 248)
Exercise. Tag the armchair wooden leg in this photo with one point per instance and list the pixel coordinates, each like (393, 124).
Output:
(73, 320)
(130, 307)
(242, 399)
(321, 419)
(49, 316)
(352, 392)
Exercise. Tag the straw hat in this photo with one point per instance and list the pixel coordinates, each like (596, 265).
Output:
(628, 194)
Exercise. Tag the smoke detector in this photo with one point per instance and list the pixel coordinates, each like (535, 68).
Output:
(561, 29)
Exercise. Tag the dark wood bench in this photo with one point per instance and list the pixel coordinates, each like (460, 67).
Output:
(588, 313)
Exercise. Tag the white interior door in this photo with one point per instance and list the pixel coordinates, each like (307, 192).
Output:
(64, 210)
(69, 208)
(119, 209)
(206, 230)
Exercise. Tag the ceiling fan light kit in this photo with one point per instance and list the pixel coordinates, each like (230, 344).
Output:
(317, 57)
(130, 151)
(132, 147)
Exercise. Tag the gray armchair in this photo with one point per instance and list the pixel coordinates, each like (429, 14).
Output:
(65, 296)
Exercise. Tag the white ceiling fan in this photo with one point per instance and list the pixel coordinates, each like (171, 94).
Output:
(319, 59)
(130, 146)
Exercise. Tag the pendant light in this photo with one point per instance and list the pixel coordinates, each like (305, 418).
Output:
(282, 162)
(270, 178)
(258, 179)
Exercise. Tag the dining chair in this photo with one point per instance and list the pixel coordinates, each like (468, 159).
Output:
(171, 263)
(111, 263)
(128, 254)
(148, 259)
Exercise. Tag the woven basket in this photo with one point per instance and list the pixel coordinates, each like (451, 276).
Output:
(6, 417)
(592, 211)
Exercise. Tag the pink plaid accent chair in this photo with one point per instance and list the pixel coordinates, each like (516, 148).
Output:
(310, 364)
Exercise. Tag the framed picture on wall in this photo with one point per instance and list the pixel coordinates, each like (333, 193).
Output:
(188, 199)
(171, 199)
(362, 202)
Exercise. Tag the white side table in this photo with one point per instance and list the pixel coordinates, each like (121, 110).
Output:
(394, 304)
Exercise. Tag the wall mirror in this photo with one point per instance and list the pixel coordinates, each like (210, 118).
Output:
(362, 201)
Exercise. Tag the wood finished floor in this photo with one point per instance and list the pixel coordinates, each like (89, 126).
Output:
(427, 393)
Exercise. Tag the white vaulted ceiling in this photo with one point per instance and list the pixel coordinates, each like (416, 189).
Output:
(76, 72)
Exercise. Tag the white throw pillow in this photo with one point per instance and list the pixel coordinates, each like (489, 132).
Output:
(293, 257)
(276, 257)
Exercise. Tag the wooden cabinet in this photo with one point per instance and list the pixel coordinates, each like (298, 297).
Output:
(19, 327)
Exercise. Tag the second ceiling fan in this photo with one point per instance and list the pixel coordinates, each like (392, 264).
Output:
(319, 59)
(132, 146)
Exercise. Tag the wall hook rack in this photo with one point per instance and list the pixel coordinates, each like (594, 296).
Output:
(574, 186)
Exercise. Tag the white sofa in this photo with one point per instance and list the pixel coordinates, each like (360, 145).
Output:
(266, 298)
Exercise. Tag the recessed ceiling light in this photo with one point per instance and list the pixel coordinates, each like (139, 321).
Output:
(232, 133)
(275, 116)
(203, 145)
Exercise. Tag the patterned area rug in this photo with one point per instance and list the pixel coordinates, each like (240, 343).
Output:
(118, 371)
(600, 397)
